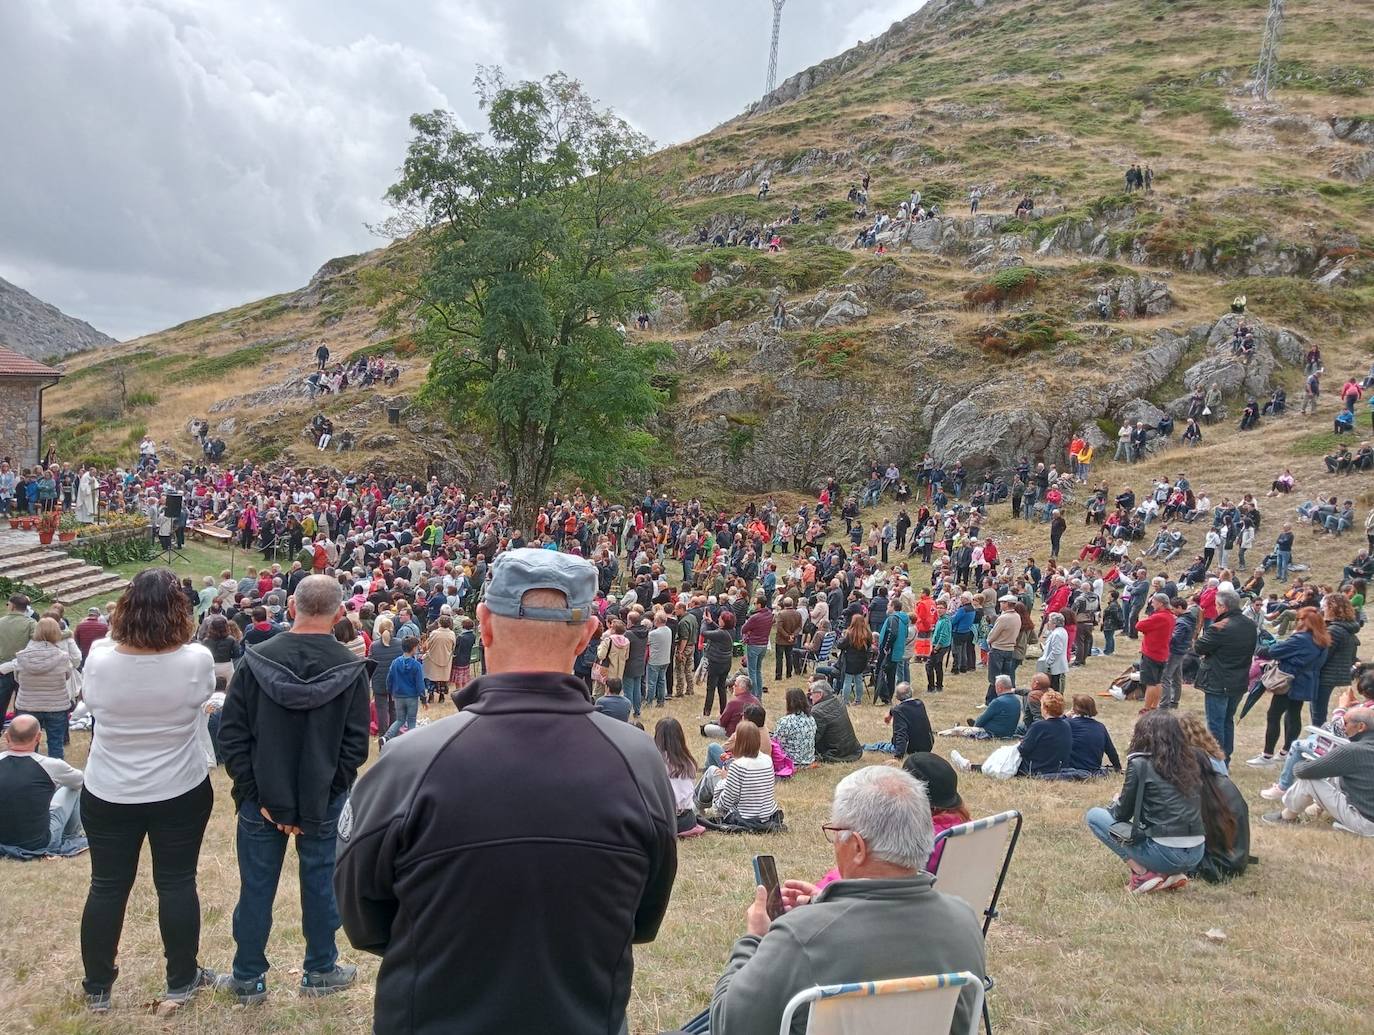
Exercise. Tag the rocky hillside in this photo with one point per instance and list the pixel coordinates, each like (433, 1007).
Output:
(42, 331)
(976, 336)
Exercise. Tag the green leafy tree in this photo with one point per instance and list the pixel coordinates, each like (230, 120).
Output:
(539, 240)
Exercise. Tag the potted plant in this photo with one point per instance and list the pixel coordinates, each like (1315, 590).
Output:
(67, 527)
(47, 526)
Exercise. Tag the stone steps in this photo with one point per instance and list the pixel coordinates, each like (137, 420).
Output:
(61, 577)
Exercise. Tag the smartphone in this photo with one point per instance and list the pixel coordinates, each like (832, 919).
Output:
(766, 873)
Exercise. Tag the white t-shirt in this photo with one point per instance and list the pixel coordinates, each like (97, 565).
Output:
(148, 711)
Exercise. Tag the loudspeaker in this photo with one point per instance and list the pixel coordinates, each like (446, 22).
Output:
(173, 507)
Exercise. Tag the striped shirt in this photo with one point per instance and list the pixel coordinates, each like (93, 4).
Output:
(748, 788)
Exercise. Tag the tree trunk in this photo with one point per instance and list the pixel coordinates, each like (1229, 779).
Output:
(528, 482)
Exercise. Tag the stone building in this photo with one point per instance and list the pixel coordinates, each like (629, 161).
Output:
(22, 382)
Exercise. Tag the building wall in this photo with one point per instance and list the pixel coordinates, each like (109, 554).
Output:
(19, 431)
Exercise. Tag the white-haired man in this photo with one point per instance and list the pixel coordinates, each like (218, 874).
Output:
(860, 925)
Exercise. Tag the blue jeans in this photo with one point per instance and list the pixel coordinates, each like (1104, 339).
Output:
(406, 709)
(656, 688)
(1108, 641)
(753, 658)
(1299, 751)
(1221, 719)
(55, 730)
(633, 687)
(714, 751)
(1283, 558)
(64, 817)
(1148, 854)
(261, 851)
(855, 681)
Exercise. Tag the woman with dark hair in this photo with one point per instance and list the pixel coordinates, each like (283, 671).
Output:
(222, 645)
(720, 654)
(796, 731)
(347, 634)
(1155, 825)
(1091, 739)
(146, 778)
(682, 772)
(1301, 656)
(1023, 638)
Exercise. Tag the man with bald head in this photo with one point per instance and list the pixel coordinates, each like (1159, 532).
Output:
(40, 797)
(527, 835)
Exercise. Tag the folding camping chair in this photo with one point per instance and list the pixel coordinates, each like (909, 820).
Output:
(815, 657)
(973, 866)
(1325, 739)
(900, 1006)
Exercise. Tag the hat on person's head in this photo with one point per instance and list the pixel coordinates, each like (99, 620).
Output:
(1009, 598)
(942, 783)
(516, 572)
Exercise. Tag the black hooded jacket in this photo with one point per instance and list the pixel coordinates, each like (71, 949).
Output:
(504, 860)
(295, 727)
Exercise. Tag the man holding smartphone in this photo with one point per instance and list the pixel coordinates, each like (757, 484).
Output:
(527, 813)
(859, 928)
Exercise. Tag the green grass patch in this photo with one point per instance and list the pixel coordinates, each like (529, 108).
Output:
(207, 368)
(1322, 443)
(1296, 302)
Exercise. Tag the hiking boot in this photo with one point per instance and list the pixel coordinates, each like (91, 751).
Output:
(1144, 883)
(204, 979)
(254, 990)
(1272, 793)
(326, 982)
(98, 1002)
(1279, 819)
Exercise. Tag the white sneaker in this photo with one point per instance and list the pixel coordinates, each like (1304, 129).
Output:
(1272, 793)
(961, 762)
(1262, 761)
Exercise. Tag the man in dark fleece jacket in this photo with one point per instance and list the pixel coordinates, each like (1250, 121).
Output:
(503, 861)
(293, 733)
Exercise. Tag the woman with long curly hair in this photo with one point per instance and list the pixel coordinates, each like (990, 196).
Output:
(1155, 825)
(856, 646)
(146, 778)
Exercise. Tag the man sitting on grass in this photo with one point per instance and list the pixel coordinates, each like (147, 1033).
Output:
(1341, 782)
(910, 726)
(835, 738)
(999, 719)
(857, 928)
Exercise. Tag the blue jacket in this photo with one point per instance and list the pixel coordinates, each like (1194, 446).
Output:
(1302, 659)
(940, 636)
(1001, 717)
(406, 677)
(893, 634)
(1090, 742)
(962, 620)
(1047, 747)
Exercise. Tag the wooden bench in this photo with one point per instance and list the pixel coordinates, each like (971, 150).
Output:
(209, 533)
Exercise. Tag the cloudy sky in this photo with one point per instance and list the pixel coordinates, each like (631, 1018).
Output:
(168, 158)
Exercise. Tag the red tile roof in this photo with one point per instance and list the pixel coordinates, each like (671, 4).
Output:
(12, 364)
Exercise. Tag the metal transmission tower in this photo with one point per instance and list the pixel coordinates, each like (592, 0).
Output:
(773, 51)
(1269, 51)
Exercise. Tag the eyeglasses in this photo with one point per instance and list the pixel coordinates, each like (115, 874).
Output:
(832, 833)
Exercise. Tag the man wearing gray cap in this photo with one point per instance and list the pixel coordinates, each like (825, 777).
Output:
(502, 861)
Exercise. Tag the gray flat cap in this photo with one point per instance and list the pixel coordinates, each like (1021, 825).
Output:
(516, 572)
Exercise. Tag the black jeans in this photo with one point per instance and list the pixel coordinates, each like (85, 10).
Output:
(935, 668)
(386, 714)
(782, 656)
(716, 679)
(174, 829)
(1282, 706)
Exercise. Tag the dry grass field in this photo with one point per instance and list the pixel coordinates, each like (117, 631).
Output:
(1071, 951)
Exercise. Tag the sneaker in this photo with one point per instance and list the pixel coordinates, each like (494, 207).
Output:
(1144, 883)
(204, 979)
(98, 1002)
(254, 990)
(960, 762)
(1279, 819)
(1173, 882)
(1272, 793)
(327, 982)
(1262, 761)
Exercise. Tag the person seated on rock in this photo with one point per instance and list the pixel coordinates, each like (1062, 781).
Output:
(1249, 417)
(1164, 427)
(392, 376)
(1341, 520)
(1094, 548)
(1282, 485)
(1277, 403)
(1364, 458)
(1192, 433)
(1238, 304)
(1339, 461)
(1343, 422)
(1362, 567)
(1096, 508)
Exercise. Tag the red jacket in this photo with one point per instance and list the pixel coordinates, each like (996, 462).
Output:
(1155, 631)
(1207, 603)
